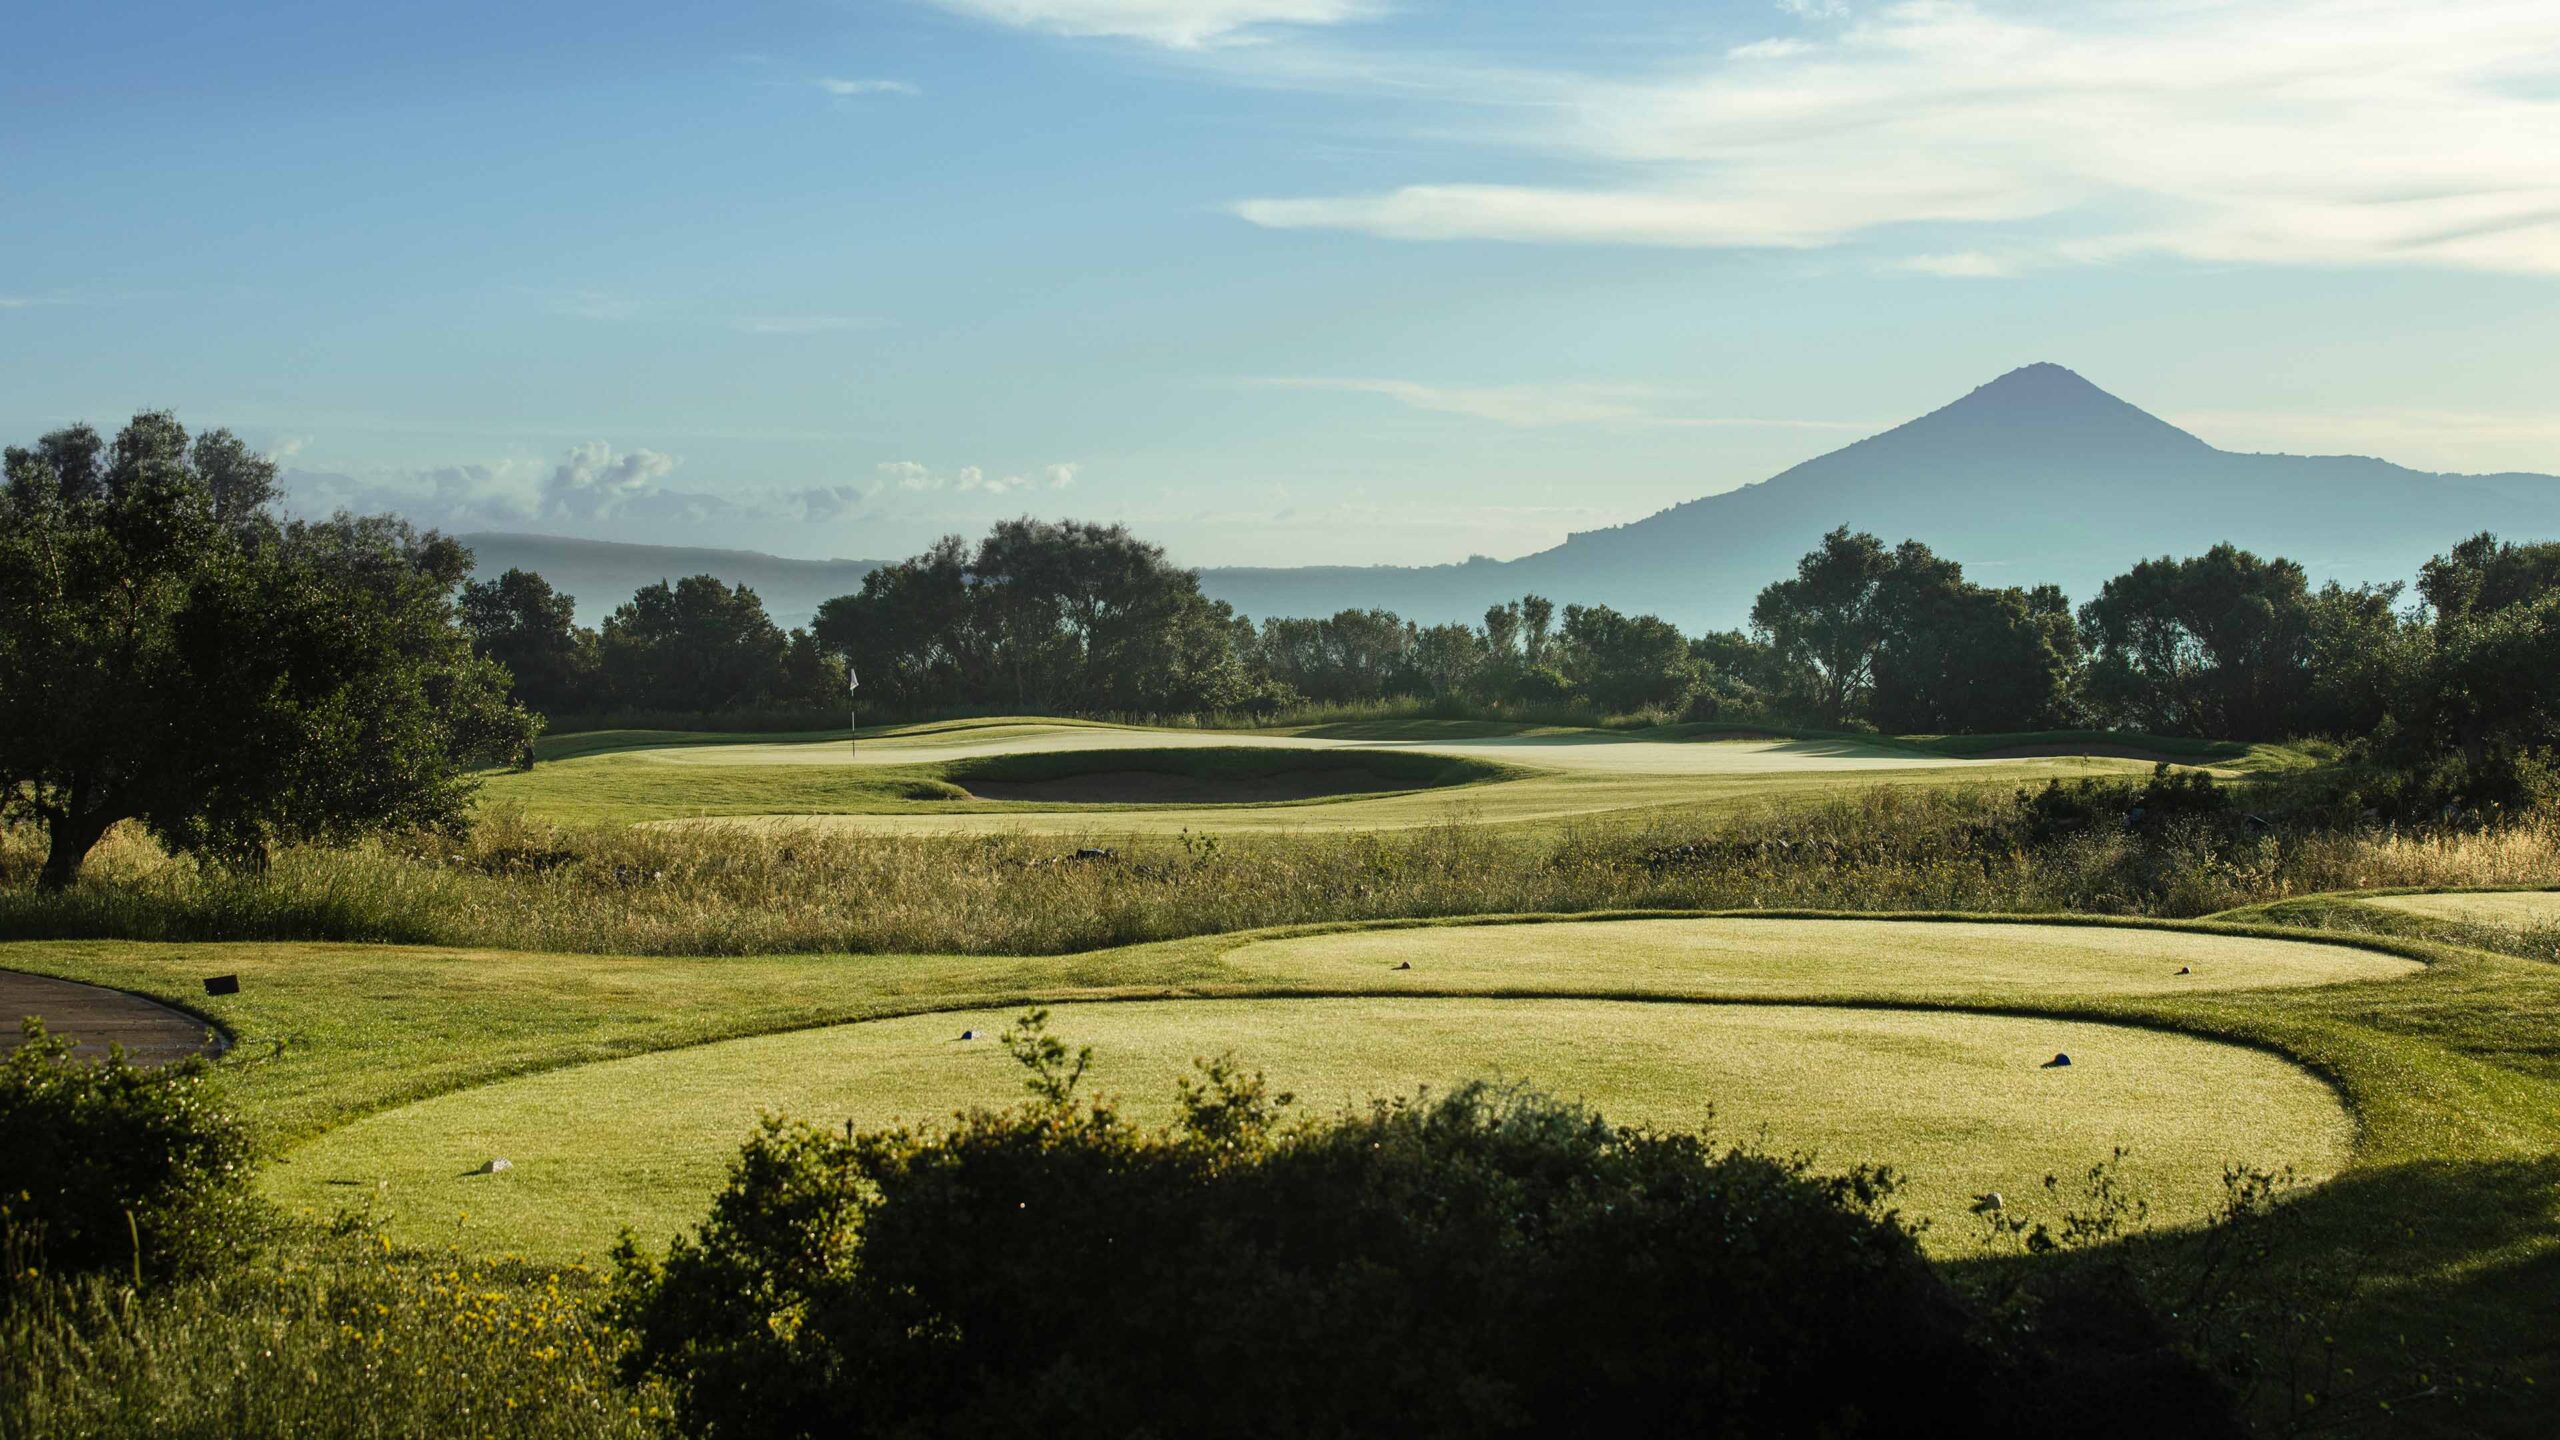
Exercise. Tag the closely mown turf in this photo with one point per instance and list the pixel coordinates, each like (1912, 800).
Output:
(2513, 909)
(899, 781)
(1957, 1101)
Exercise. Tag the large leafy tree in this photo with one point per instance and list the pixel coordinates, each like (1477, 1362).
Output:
(1040, 616)
(1961, 658)
(698, 645)
(1625, 662)
(1825, 625)
(172, 653)
(2490, 685)
(522, 623)
(2216, 644)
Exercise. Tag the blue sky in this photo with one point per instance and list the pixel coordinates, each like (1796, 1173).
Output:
(1274, 281)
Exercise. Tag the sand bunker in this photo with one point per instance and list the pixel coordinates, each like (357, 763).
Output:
(1149, 787)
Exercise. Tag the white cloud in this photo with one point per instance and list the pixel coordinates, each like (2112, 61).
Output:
(596, 480)
(973, 479)
(851, 88)
(1176, 24)
(1963, 264)
(2326, 132)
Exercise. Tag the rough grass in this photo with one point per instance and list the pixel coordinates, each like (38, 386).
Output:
(520, 883)
(343, 1338)
(1955, 1101)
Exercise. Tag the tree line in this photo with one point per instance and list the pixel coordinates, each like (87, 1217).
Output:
(1066, 617)
(172, 652)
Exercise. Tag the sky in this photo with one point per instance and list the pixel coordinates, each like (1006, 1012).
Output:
(1271, 281)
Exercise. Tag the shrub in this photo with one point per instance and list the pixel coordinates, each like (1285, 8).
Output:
(340, 1339)
(1483, 1263)
(116, 1167)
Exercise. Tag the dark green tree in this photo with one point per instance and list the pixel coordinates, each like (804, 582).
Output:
(1958, 658)
(1622, 663)
(522, 623)
(914, 632)
(698, 645)
(1823, 627)
(171, 653)
(2215, 645)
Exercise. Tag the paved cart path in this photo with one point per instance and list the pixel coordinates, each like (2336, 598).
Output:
(150, 1032)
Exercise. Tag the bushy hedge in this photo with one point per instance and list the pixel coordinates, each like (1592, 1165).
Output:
(1484, 1263)
(107, 1166)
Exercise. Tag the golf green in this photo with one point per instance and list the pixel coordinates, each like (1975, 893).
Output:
(1962, 1103)
(2516, 909)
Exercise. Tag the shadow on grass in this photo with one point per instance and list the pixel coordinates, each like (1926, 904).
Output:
(2417, 1299)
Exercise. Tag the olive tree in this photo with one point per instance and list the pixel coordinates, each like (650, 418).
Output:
(173, 653)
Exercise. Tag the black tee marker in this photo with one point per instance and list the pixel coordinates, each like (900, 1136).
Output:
(222, 985)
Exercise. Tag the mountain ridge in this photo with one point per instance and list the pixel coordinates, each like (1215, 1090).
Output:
(2036, 476)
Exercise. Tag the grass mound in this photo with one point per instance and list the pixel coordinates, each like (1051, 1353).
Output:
(1238, 775)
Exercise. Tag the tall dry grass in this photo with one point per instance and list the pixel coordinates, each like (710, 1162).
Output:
(718, 890)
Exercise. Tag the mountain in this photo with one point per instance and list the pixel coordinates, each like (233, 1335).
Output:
(603, 573)
(2036, 477)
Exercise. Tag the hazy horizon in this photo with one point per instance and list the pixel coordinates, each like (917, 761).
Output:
(1276, 282)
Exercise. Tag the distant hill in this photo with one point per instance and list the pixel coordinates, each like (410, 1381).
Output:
(2036, 477)
(603, 573)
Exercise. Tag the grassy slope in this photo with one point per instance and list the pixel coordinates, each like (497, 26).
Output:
(1550, 775)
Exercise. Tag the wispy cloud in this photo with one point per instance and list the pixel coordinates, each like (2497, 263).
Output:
(1175, 24)
(913, 476)
(1523, 405)
(1545, 405)
(2319, 132)
(804, 324)
(852, 88)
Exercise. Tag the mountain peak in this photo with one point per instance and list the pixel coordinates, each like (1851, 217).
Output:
(2045, 404)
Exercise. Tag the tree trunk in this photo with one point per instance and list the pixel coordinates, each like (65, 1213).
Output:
(70, 838)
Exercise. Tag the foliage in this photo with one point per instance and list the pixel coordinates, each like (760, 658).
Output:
(1483, 1263)
(1043, 616)
(705, 646)
(173, 654)
(528, 884)
(519, 621)
(1824, 626)
(107, 1166)
(342, 1338)
(2212, 645)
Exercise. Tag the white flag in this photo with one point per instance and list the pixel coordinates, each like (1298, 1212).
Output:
(852, 682)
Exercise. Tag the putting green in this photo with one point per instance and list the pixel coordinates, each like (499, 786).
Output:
(1825, 959)
(1958, 1101)
(2514, 909)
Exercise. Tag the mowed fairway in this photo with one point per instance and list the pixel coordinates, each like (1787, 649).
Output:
(888, 783)
(1959, 1101)
(2510, 909)
(1739, 957)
